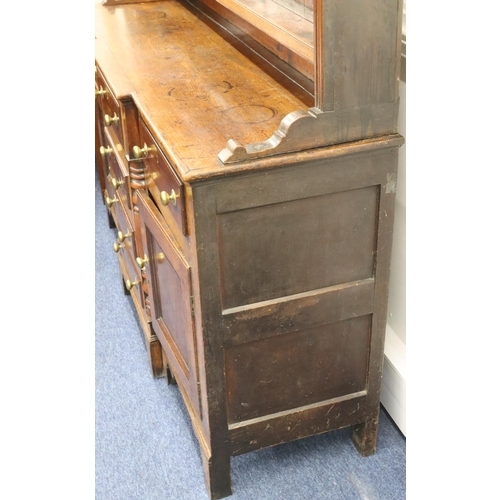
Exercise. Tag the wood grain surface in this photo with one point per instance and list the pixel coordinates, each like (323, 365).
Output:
(170, 63)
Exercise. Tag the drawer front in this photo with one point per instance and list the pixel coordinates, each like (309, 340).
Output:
(117, 176)
(163, 183)
(170, 288)
(131, 277)
(110, 108)
(120, 180)
(125, 242)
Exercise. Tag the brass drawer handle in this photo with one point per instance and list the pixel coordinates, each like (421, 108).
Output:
(122, 237)
(142, 262)
(166, 198)
(117, 246)
(110, 201)
(116, 183)
(138, 152)
(101, 91)
(109, 121)
(105, 151)
(130, 284)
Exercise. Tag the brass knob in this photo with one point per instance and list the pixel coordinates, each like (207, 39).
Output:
(121, 236)
(167, 198)
(117, 246)
(138, 152)
(110, 201)
(108, 120)
(142, 262)
(101, 91)
(130, 284)
(116, 183)
(105, 151)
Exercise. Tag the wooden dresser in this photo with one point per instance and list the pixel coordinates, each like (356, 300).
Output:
(251, 180)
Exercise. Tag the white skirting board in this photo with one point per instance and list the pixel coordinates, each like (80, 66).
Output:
(393, 395)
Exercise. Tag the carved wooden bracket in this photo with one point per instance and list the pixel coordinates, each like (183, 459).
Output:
(314, 128)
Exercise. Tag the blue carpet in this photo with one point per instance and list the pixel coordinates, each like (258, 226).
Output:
(145, 448)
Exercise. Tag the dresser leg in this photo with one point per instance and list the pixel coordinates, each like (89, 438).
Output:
(155, 353)
(364, 436)
(111, 221)
(169, 376)
(126, 291)
(217, 471)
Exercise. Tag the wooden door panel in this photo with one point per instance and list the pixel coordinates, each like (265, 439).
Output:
(297, 246)
(300, 288)
(171, 304)
(285, 315)
(298, 369)
(170, 286)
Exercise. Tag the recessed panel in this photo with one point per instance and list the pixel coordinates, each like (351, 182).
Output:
(172, 307)
(297, 246)
(297, 369)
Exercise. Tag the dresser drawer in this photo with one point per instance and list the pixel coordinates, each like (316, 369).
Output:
(125, 237)
(110, 108)
(117, 178)
(163, 183)
(131, 277)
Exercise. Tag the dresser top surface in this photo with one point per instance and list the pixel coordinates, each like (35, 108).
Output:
(193, 89)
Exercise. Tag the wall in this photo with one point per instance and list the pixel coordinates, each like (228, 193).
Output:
(393, 395)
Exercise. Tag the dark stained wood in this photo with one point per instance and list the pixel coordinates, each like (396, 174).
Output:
(277, 325)
(299, 423)
(263, 291)
(310, 155)
(253, 242)
(169, 376)
(364, 435)
(357, 54)
(358, 46)
(318, 307)
(275, 374)
(217, 463)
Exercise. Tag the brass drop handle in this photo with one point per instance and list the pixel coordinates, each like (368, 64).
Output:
(121, 236)
(110, 201)
(105, 151)
(130, 284)
(101, 91)
(108, 120)
(117, 246)
(166, 198)
(138, 152)
(116, 183)
(142, 262)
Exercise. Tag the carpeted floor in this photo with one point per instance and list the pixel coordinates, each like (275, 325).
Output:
(145, 448)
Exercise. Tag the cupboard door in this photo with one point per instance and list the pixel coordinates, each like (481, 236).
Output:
(169, 277)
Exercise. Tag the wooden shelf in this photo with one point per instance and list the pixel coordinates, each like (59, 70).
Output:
(285, 30)
(287, 27)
